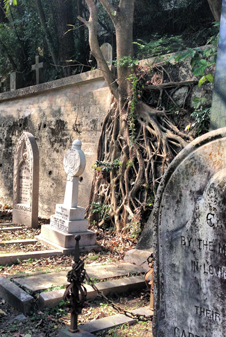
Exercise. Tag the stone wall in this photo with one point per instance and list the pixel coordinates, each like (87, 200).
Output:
(56, 113)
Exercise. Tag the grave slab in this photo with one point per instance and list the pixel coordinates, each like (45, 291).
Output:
(6, 259)
(45, 281)
(189, 221)
(52, 298)
(15, 296)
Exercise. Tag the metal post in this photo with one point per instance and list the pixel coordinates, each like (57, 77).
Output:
(75, 293)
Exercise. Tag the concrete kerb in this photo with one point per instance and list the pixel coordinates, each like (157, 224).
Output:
(15, 296)
(106, 323)
(13, 258)
(52, 298)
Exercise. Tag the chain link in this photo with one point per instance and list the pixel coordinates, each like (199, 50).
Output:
(129, 314)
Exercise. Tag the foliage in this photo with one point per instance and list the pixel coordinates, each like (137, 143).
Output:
(201, 115)
(158, 45)
(201, 59)
(101, 209)
(106, 166)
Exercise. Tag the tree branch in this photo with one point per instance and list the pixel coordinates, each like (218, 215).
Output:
(110, 10)
(95, 48)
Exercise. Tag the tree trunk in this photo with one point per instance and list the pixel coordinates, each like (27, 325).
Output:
(63, 14)
(215, 7)
(137, 142)
(48, 36)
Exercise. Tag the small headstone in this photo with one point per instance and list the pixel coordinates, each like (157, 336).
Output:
(68, 219)
(106, 50)
(38, 65)
(26, 181)
(218, 111)
(16, 81)
(189, 220)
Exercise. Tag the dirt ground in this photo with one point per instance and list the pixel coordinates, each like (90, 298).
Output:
(48, 322)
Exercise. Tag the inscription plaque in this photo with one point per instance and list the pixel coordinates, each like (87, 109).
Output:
(190, 242)
(26, 181)
(24, 184)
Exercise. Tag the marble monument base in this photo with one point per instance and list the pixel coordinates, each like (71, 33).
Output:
(65, 224)
(66, 241)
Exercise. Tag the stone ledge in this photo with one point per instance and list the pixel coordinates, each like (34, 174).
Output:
(12, 258)
(19, 242)
(15, 296)
(52, 85)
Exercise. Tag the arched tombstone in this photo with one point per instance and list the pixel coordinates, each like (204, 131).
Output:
(26, 181)
(189, 221)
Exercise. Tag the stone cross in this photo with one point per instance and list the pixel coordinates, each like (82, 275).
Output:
(38, 65)
(218, 111)
(106, 50)
(189, 226)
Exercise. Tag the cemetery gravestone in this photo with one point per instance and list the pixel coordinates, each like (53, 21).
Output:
(26, 181)
(68, 220)
(189, 220)
(106, 50)
(16, 81)
(218, 111)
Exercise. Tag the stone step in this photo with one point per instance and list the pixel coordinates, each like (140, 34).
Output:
(19, 242)
(95, 271)
(12, 258)
(106, 323)
(15, 296)
(52, 298)
(11, 229)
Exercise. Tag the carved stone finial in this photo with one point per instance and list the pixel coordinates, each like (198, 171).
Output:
(74, 160)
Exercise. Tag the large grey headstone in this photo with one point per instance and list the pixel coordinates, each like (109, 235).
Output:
(26, 181)
(189, 220)
(218, 111)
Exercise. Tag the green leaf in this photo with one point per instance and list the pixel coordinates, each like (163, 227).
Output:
(199, 71)
(203, 62)
(210, 78)
(201, 81)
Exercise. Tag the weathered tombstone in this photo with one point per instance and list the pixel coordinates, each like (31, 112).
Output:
(218, 111)
(38, 65)
(26, 181)
(106, 49)
(68, 220)
(189, 219)
(16, 81)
